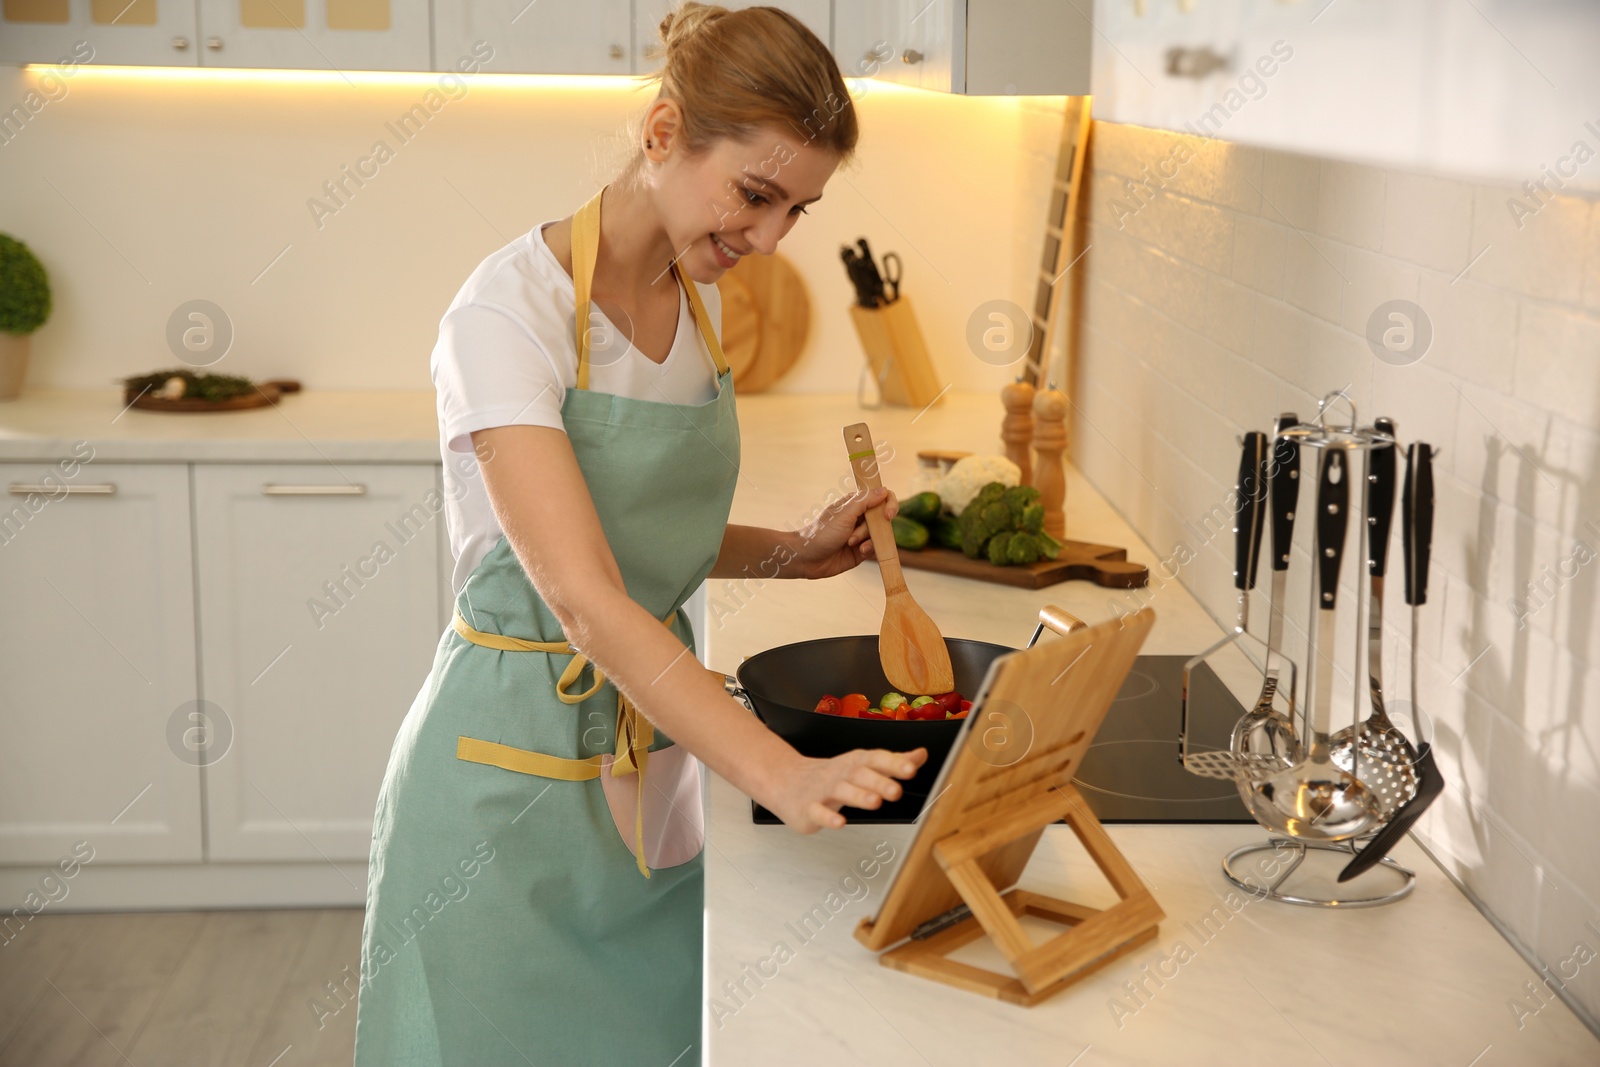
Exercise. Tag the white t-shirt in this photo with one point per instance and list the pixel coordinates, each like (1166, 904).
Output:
(506, 355)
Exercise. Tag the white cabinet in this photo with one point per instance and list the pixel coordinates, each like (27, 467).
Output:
(534, 37)
(63, 32)
(976, 47)
(1438, 85)
(647, 16)
(315, 34)
(908, 42)
(97, 664)
(319, 611)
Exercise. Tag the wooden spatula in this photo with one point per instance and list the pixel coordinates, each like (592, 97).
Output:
(910, 646)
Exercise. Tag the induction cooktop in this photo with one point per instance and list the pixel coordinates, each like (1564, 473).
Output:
(1131, 772)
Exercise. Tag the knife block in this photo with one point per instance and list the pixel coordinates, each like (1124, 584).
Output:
(895, 351)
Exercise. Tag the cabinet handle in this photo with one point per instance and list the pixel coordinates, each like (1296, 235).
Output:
(1194, 62)
(25, 488)
(911, 55)
(214, 43)
(180, 43)
(617, 51)
(269, 489)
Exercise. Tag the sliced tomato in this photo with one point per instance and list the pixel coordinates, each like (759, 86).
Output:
(930, 710)
(950, 701)
(966, 706)
(828, 705)
(853, 704)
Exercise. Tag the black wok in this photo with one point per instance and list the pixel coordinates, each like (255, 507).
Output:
(783, 684)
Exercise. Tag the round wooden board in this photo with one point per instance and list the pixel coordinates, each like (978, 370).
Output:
(266, 393)
(741, 326)
(782, 318)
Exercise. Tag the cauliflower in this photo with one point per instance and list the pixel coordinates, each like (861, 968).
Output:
(969, 474)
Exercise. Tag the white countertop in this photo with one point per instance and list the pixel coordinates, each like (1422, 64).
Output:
(312, 426)
(1423, 981)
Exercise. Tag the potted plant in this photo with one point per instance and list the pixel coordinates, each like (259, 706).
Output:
(24, 305)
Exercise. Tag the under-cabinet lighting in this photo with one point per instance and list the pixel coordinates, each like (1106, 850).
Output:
(258, 76)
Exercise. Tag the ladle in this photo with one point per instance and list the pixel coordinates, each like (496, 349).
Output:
(1315, 798)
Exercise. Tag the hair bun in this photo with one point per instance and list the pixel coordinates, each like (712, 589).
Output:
(681, 23)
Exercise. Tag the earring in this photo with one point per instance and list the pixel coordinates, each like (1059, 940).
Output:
(649, 144)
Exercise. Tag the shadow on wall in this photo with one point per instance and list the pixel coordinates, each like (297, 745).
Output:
(1224, 283)
(1510, 674)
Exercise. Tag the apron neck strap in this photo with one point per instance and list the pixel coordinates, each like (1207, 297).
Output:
(585, 250)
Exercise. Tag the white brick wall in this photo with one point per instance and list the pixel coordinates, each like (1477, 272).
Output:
(1243, 287)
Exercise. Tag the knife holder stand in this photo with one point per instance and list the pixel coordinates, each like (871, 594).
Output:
(896, 353)
(988, 811)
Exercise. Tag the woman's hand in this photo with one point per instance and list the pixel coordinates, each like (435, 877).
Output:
(809, 798)
(837, 539)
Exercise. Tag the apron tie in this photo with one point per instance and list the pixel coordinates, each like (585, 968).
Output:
(635, 732)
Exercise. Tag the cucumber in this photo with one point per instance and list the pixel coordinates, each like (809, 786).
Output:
(909, 533)
(923, 508)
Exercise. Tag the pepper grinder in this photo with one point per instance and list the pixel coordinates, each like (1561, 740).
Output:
(1049, 469)
(1016, 430)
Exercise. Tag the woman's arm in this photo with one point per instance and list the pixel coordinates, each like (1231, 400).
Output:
(543, 506)
(836, 540)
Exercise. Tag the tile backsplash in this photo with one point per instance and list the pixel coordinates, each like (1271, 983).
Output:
(1224, 284)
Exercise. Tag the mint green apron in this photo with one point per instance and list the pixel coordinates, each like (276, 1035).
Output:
(510, 916)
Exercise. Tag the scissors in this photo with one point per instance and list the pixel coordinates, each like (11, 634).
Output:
(891, 276)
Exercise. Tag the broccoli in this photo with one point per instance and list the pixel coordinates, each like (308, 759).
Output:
(1032, 518)
(992, 493)
(973, 532)
(1050, 546)
(996, 517)
(1017, 498)
(1023, 548)
(998, 545)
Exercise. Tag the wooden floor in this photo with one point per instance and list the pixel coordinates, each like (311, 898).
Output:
(213, 988)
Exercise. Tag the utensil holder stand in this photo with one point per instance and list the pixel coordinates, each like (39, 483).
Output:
(1301, 846)
(896, 353)
(1093, 937)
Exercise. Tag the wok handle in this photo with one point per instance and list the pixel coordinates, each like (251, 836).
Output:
(1061, 621)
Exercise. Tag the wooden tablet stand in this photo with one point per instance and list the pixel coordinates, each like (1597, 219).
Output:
(1008, 778)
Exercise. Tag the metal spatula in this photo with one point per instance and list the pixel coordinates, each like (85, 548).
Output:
(910, 646)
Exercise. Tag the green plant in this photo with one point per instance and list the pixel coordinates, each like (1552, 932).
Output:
(24, 289)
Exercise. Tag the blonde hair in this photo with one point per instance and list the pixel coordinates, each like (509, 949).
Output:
(732, 72)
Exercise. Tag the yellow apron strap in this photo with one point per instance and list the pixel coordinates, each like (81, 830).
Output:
(585, 247)
(712, 344)
(526, 762)
(585, 250)
(635, 732)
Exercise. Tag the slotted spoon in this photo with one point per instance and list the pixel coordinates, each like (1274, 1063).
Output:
(1375, 750)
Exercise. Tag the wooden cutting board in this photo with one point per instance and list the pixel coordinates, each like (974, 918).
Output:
(1104, 565)
(266, 393)
(766, 317)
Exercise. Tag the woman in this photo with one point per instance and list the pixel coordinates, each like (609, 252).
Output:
(530, 901)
